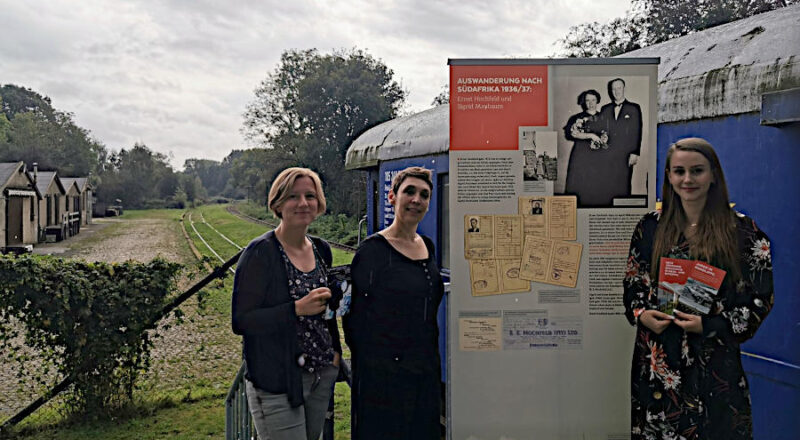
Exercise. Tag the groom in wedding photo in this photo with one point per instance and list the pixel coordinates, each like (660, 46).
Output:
(624, 121)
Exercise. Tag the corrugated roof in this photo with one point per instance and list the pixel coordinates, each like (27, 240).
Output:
(420, 134)
(724, 70)
(715, 72)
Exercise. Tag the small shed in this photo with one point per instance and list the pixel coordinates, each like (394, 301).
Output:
(53, 205)
(73, 213)
(84, 206)
(19, 207)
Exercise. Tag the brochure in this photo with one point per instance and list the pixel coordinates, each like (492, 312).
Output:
(340, 285)
(697, 296)
(688, 285)
(672, 275)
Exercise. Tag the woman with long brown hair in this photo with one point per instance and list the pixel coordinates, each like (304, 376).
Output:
(687, 380)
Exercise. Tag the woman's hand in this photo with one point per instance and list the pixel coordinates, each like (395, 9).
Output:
(655, 320)
(313, 303)
(688, 322)
(337, 358)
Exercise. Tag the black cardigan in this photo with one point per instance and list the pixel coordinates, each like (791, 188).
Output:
(263, 313)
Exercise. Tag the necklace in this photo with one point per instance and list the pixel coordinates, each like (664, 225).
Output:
(693, 225)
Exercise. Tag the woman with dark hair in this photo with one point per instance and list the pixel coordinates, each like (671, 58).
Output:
(279, 295)
(391, 329)
(589, 164)
(687, 379)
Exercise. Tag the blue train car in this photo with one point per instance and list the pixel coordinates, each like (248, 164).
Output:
(422, 140)
(737, 85)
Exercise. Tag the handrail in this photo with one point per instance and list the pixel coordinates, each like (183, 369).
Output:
(238, 421)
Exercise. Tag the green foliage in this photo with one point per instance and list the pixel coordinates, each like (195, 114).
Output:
(136, 176)
(89, 321)
(213, 175)
(443, 97)
(309, 110)
(37, 132)
(654, 21)
(338, 228)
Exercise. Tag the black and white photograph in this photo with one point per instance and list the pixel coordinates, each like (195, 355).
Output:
(602, 123)
(540, 151)
(474, 225)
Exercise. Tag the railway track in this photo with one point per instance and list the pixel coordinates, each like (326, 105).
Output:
(232, 210)
(236, 212)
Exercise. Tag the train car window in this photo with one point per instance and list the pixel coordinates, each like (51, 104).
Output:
(443, 188)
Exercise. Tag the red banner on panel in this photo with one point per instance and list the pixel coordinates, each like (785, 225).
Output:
(488, 104)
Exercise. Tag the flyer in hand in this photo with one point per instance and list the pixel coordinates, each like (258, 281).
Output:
(697, 296)
(688, 285)
(672, 275)
(340, 285)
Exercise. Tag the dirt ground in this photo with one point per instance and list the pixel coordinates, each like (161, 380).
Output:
(202, 353)
(115, 240)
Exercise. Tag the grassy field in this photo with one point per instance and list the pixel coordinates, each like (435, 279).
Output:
(182, 397)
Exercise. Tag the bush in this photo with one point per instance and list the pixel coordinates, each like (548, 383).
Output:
(89, 320)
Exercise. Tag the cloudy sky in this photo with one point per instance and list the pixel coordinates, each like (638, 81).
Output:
(177, 74)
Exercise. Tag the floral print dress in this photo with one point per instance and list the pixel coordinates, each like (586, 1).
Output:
(686, 385)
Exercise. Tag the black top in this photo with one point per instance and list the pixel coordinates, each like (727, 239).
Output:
(394, 306)
(312, 331)
(263, 313)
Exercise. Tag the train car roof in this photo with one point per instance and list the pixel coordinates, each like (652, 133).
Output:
(720, 71)
(724, 70)
(420, 134)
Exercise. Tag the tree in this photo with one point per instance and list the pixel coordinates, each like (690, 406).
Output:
(309, 110)
(136, 176)
(213, 175)
(443, 97)
(5, 126)
(32, 130)
(654, 21)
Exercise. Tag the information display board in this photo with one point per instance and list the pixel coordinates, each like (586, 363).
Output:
(552, 163)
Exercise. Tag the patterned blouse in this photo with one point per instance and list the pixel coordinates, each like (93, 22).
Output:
(686, 385)
(312, 334)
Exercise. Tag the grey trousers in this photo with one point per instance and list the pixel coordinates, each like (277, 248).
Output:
(275, 419)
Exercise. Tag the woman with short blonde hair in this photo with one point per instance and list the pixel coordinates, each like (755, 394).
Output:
(280, 292)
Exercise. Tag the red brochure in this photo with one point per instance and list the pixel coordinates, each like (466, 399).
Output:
(672, 276)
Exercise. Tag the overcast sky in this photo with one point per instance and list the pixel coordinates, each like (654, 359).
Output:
(177, 75)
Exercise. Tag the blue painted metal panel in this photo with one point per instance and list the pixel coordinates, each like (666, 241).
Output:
(761, 169)
(780, 107)
(430, 224)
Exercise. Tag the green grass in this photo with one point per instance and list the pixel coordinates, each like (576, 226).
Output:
(173, 418)
(161, 214)
(195, 408)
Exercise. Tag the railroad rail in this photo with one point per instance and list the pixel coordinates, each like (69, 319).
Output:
(232, 209)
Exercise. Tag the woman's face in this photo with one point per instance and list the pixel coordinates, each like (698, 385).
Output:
(690, 175)
(591, 102)
(300, 209)
(411, 201)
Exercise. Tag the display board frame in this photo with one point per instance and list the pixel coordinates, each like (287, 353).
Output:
(552, 361)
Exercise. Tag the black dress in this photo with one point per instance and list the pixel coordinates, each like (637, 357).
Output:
(393, 335)
(686, 385)
(591, 165)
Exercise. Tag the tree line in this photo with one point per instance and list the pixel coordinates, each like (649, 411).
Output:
(304, 113)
